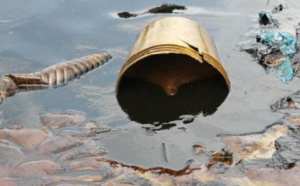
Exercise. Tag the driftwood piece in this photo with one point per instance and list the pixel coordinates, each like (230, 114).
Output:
(57, 75)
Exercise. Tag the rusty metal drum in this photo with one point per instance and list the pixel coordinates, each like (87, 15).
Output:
(171, 52)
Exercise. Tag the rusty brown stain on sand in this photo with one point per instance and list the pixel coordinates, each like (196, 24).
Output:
(156, 170)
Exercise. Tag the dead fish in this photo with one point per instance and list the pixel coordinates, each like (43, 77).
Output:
(170, 73)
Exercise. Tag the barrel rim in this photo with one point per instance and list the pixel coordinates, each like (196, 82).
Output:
(172, 49)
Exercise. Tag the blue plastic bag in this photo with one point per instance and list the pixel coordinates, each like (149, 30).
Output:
(285, 71)
(286, 43)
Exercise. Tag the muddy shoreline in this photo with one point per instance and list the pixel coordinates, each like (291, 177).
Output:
(99, 144)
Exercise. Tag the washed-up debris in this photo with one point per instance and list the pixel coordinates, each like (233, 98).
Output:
(275, 49)
(277, 9)
(164, 8)
(283, 41)
(198, 149)
(284, 70)
(53, 76)
(288, 102)
(265, 18)
(224, 156)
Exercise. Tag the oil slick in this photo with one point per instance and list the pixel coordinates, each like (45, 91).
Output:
(147, 103)
(69, 154)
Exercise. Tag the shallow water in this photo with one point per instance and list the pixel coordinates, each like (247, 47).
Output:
(36, 34)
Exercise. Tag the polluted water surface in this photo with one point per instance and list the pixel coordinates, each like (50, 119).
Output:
(108, 139)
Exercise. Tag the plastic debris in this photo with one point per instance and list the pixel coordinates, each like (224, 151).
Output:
(274, 49)
(282, 64)
(281, 48)
(285, 71)
(265, 18)
(281, 40)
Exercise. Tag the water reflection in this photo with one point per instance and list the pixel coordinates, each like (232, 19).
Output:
(147, 103)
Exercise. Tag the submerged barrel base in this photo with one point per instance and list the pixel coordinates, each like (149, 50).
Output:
(147, 103)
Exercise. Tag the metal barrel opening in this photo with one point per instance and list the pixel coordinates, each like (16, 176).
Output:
(171, 52)
(173, 69)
